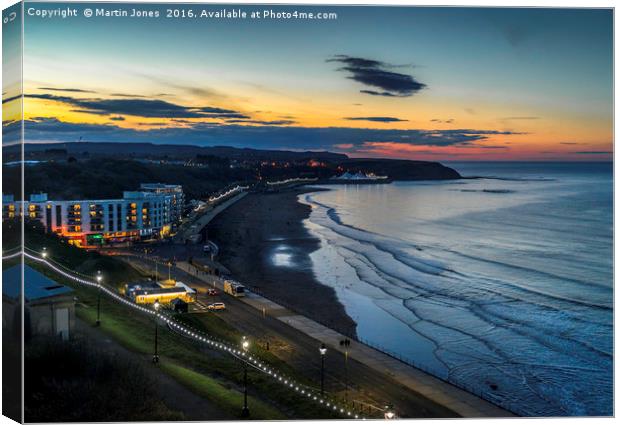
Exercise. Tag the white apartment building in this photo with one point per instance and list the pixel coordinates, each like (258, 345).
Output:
(145, 214)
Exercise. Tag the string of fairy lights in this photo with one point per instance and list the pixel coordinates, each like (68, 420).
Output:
(293, 180)
(227, 193)
(198, 336)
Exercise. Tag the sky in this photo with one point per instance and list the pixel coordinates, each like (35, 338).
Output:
(416, 83)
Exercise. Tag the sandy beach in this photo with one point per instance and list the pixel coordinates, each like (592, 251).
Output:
(264, 243)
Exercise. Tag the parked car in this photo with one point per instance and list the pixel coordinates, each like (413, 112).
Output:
(213, 292)
(217, 306)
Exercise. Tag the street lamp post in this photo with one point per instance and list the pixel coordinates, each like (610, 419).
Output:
(155, 355)
(99, 279)
(245, 412)
(346, 376)
(389, 412)
(323, 351)
(44, 253)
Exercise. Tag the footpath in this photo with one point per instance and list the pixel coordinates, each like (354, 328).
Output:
(463, 403)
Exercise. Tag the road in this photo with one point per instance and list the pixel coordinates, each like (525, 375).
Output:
(198, 222)
(368, 386)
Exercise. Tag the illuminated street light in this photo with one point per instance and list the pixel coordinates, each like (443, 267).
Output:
(156, 306)
(389, 412)
(245, 345)
(99, 279)
(323, 351)
(44, 253)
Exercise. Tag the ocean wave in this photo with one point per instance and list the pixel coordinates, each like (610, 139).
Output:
(470, 317)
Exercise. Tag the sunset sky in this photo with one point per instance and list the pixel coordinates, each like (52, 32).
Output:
(418, 83)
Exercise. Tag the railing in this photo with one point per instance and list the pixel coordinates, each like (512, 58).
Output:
(196, 335)
(397, 356)
(442, 376)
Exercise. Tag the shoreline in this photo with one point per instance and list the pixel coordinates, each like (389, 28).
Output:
(263, 242)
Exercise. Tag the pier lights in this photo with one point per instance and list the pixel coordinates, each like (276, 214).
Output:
(245, 346)
(322, 351)
(44, 253)
(156, 306)
(99, 280)
(389, 412)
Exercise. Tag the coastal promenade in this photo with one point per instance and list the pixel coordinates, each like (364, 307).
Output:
(461, 402)
(199, 223)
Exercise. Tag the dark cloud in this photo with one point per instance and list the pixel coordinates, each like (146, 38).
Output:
(441, 121)
(12, 98)
(260, 122)
(255, 136)
(570, 143)
(48, 128)
(86, 111)
(117, 118)
(66, 90)
(378, 75)
(148, 108)
(375, 119)
(377, 93)
(593, 152)
(212, 110)
(128, 95)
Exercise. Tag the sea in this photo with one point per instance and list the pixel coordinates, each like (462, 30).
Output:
(501, 283)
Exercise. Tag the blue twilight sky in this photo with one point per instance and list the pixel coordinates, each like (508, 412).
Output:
(453, 83)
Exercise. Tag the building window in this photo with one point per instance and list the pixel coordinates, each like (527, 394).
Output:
(58, 216)
(110, 218)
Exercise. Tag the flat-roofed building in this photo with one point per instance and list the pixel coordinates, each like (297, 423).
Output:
(148, 292)
(49, 308)
(173, 190)
(96, 222)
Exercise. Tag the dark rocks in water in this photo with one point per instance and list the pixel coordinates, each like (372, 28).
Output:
(487, 190)
(498, 191)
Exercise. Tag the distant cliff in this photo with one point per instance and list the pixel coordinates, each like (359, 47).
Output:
(402, 169)
(105, 170)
